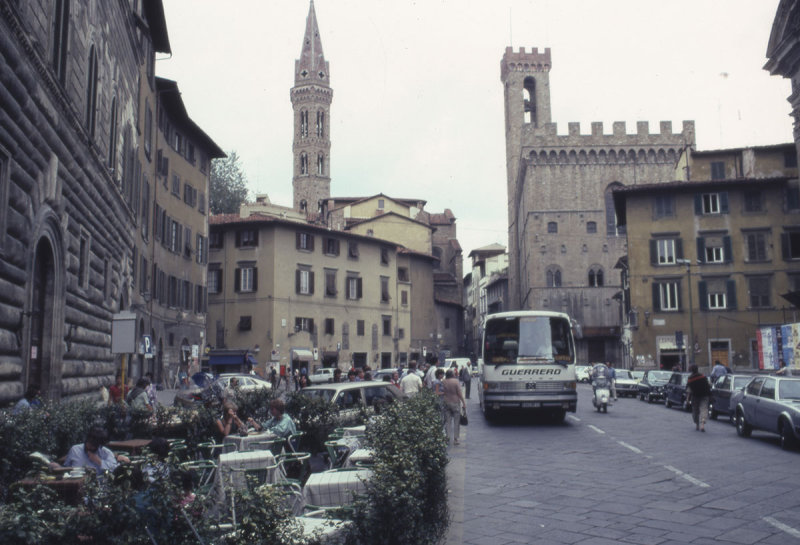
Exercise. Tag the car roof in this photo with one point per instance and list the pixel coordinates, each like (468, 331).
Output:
(338, 386)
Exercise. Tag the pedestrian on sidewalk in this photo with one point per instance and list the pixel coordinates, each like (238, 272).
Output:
(453, 402)
(465, 378)
(699, 391)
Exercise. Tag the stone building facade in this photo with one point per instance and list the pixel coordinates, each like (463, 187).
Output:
(78, 104)
(710, 257)
(563, 240)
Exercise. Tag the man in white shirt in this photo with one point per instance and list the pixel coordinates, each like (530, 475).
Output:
(411, 383)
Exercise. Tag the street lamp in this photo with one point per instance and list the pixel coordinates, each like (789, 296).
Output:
(690, 339)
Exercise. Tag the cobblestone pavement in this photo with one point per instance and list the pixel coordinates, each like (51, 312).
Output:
(640, 474)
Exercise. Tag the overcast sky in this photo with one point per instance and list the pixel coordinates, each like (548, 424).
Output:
(417, 106)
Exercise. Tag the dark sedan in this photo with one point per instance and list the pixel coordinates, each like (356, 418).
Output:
(770, 404)
(651, 387)
(721, 392)
(675, 392)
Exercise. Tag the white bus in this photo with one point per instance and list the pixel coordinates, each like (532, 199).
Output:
(528, 363)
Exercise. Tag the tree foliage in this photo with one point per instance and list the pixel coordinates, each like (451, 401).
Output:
(228, 185)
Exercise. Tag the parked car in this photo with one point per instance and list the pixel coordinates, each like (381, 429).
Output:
(637, 376)
(651, 387)
(350, 396)
(722, 393)
(322, 375)
(771, 404)
(247, 383)
(625, 384)
(380, 373)
(582, 372)
(675, 392)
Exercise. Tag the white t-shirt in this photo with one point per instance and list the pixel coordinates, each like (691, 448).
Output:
(410, 384)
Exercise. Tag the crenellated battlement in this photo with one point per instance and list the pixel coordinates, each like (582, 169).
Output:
(598, 134)
(523, 61)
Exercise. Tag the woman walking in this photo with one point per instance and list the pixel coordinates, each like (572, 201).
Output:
(453, 402)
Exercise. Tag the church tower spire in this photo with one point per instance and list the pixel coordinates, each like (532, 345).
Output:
(311, 101)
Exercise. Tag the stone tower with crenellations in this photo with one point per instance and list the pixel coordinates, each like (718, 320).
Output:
(311, 101)
(562, 235)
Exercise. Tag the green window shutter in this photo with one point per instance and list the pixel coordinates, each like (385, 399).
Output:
(702, 295)
(678, 248)
(698, 205)
(723, 202)
(255, 278)
(730, 284)
(785, 246)
(310, 281)
(727, 249)
(679, 290)
(653, 252)
(297, 281)
(237, 278)
(701, 250)
(656, 297)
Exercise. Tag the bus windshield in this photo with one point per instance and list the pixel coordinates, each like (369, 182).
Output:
(544, 338)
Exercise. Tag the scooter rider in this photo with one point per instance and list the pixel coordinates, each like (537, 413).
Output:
(601, 371)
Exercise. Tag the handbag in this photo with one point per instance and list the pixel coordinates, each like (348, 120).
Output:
(463, 420)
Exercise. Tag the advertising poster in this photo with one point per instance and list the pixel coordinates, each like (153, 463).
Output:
(790, 337)
(768, 358)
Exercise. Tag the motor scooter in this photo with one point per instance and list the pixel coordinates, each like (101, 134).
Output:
(601, 393)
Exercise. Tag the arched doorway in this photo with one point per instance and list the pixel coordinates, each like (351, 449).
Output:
(40, 345)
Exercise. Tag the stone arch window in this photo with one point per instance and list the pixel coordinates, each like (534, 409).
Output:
(553, 276)
(529, 100)
(320, 124)
(596, 276)
(611, 214)
(321, 164)
(303, 123)
(591, 226)
(91, 92)
(303, 163)
(552, 227)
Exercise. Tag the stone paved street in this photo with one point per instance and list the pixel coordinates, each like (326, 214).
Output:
(640, 474)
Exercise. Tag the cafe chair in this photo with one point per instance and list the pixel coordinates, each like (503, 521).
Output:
(294, 467)
(337, 452)
(275, 446)
(203, 471)
(293, 442)
(253, 478)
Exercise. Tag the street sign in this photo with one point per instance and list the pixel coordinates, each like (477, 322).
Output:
(679, 339)
(123, 333)
(146, 346)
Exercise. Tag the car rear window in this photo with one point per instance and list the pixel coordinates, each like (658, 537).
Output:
(327, 395)
(789, 389)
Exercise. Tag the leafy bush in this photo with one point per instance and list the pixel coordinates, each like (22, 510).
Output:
(406, 500)
(316, 417)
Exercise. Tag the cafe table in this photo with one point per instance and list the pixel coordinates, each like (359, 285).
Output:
(132, 446)
(69, 488)
(365, 455)
(355, 431)
(243, 442)
(232, 465)
(335, 487)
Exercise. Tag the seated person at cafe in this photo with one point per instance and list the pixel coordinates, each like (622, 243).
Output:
(138, 398)
(228, 423)
(280, 424)
(29, 401)
(91, 454)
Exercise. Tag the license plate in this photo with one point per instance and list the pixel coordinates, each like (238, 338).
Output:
(530, 385)
(529, 405)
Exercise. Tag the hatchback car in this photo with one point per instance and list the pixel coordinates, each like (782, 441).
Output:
(771, 404)
(247, 383)
(625, 384)
(675, 392)
(722, 393)
(325, 374)
(651, 387)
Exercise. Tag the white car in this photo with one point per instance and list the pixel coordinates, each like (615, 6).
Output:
(247, 383)
(322, 375)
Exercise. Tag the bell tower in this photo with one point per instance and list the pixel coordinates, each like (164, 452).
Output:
(311, 101)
